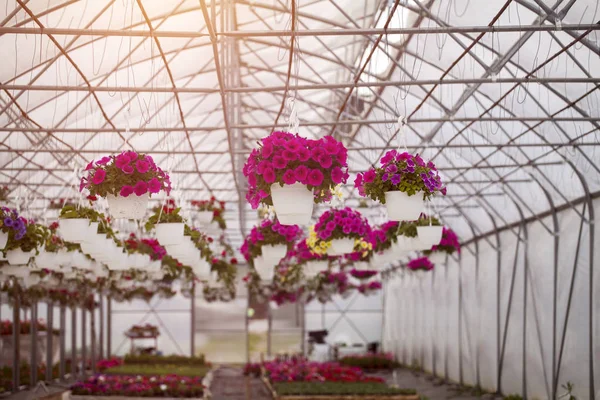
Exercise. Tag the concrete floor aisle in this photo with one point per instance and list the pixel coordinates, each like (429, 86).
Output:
(230, 384)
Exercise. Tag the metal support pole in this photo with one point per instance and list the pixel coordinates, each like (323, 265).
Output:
(269, 329)
(34, 345)
(49, 341)
(101, 327)
(63, 339)
(83, 341)
(73, 342)
(303, 327)
(16, 343)
(108, 327)
(193, 321)
(93, 340)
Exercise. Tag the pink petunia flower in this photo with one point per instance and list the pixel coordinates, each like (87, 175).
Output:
(121, 161)
(279, 162)
(140, 188)
(89, 166)
(127, 170)
(289, 178)
(269, 175)
(337, 175)
(99, 176)
(142, 166)
(315, 177)
(126, 190)
(300, 173)
(103, 161)
(154, 185)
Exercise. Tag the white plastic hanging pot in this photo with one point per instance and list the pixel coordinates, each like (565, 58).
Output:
(74, 230)
(405, 245)
(204, 218)
(339, 247)
(429, 235)
(3, 239)
(437, 257)
(31, 280)
(265, 270)
(201, 269)
(402, 207)
(130, 207)
(154, 266)
(293, 203)
(314, 267)
(18, 271)
(272, 254)
(169, 233)
(18, 257)
(93, 228)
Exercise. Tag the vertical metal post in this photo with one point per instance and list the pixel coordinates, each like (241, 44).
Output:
(303, 329)
(108, 327)
(269, 329)
(83, 341)
(73, 342)
(63, 339)
(16, 343)
(49, 341)
(93, 339)
(101, 327)
(460, 353)
(193, 321)
(34, 345)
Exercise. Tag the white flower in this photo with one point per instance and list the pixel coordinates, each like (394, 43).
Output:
(163, 387)
(153, 379)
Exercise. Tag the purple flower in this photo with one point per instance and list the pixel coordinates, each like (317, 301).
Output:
(395, 179)
(385, 177)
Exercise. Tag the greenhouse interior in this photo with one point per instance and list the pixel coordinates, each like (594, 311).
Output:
(299, 199)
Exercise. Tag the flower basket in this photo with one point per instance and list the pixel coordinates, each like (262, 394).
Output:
(210, 211)
(429, 235)
(402, 207)
(267, 244)
(19, 257)
(402, 183)
(342, 246)
(292, 173)
(420, 264)
(169, 232)
(127, 207)
(313, 268)
(3, 239)
(126, 181)
(448, 245)
(341, 229)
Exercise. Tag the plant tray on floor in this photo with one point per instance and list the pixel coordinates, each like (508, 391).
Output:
(339, 391)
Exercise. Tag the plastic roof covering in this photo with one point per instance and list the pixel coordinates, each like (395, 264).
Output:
(457, 125)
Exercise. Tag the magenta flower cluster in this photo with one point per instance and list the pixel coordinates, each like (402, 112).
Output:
(125, 174)
(449, 242)
(340, 223)
(421, 263)
(10, 221)
(286, 159)
(362, 273)
(301, 370)
(268, 233)
(367, 288)
(140, 386)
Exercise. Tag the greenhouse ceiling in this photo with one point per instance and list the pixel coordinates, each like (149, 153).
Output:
(501, 95)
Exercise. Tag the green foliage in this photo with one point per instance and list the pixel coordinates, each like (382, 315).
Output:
(163, 360)
(569, 387)
(159, 369)
(70, 211)
(201, 241)
(513, 397)
(338, 388)
(163, 215)
(369, 362)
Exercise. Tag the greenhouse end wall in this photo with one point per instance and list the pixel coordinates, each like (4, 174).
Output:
(487, 318)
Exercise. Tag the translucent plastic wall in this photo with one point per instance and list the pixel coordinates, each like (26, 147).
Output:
(493, 316)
